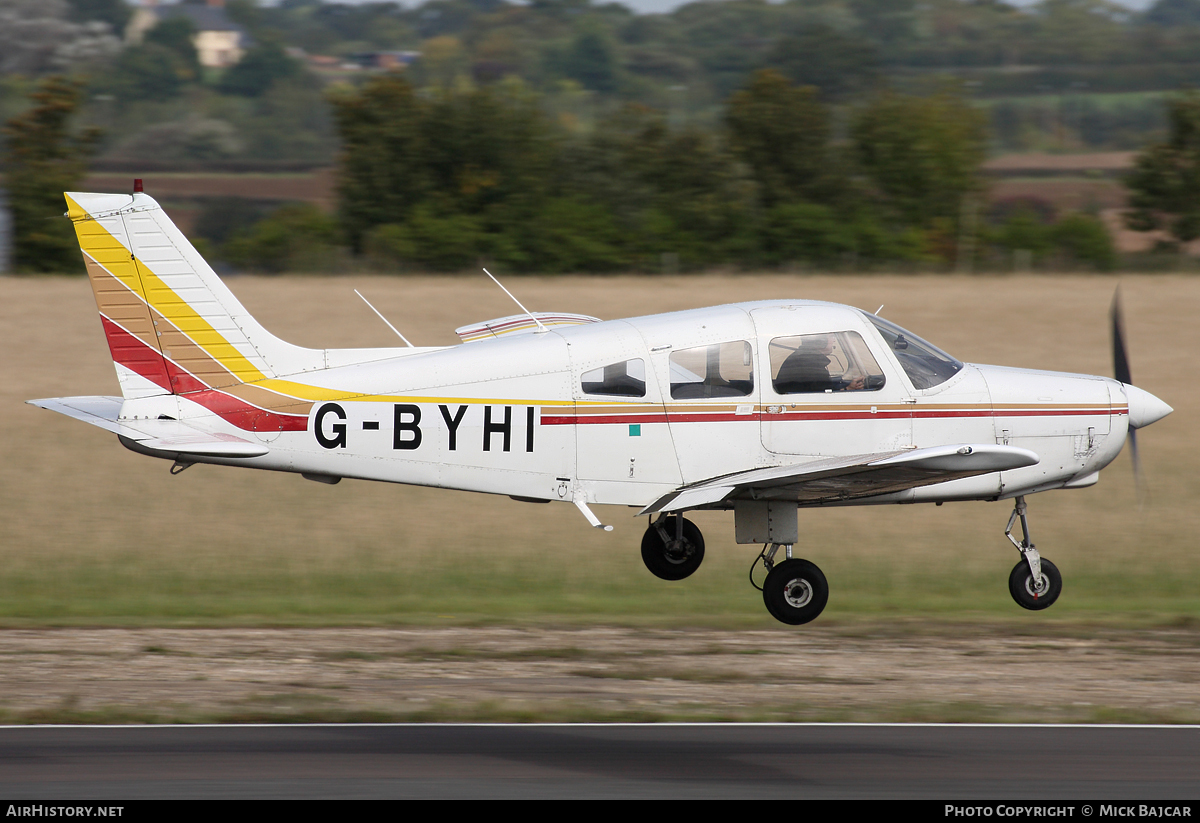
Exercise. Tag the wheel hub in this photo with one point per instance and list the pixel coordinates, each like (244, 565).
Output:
(1036, 589)
(797, 593)
(678, 551)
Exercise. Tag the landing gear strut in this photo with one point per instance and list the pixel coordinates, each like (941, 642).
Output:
(672, 548)
(1034, 583)
(795, 591)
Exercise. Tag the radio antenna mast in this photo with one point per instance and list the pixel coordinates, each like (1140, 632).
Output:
(532, 316)
(384, 319)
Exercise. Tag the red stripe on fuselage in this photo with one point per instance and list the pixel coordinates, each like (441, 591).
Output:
(800, 416)
(241, 414)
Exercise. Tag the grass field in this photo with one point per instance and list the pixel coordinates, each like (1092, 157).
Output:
(96, 535)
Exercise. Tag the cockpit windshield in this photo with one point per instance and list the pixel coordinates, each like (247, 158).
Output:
(925, 364)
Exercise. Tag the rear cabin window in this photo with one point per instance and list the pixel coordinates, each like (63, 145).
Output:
(818, 363)
(717, 370)
(624, 379)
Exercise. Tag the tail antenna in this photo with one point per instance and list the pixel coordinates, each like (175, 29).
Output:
(384, 319)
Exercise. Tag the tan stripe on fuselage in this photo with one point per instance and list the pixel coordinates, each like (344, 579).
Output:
(266, 399)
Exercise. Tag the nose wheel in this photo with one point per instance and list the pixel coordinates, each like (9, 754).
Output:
(1032, 595)
(1034, 582)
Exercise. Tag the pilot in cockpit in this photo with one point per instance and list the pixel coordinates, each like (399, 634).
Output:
(812, 368)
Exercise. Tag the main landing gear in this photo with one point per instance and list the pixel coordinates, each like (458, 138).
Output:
(795, 590)
(672, 548)
(1034, 582)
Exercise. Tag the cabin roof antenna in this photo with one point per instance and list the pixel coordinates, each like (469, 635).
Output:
(532, 316)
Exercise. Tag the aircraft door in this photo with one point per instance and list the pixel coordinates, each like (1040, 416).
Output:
(621, 433)
(826, 390)
(709, 381)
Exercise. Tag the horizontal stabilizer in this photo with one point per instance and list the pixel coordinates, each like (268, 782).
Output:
(847, 478)
(162, 434)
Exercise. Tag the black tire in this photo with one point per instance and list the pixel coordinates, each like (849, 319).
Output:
(1020, 586)
(669, 562)
(795, 592)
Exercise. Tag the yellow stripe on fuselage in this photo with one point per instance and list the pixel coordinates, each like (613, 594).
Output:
(304, 391)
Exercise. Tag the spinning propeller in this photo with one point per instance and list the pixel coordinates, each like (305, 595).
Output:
(1144, 408)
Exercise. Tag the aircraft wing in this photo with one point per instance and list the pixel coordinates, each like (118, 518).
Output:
(831, 479)
(162, 434)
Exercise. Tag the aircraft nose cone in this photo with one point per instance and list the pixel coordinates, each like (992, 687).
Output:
(1144, 408)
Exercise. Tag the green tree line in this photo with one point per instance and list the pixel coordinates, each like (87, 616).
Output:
(454, 179)
(444, 181)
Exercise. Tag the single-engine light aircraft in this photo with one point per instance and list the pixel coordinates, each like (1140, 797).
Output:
(760, 408)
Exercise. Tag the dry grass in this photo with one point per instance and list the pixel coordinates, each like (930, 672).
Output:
(95, 534)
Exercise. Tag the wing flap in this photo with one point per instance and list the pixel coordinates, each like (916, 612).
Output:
(163, 434)
(846, 478)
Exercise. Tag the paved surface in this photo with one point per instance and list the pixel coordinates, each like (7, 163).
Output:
(708, 761)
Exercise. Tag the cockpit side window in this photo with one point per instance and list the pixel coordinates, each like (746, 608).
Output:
(925, 364)
(817, 363)
(717, 370)
(624, 379)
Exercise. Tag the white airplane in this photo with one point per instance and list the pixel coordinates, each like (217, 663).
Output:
(761, 408)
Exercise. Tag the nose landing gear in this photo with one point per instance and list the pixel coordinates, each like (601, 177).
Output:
(1034, 582)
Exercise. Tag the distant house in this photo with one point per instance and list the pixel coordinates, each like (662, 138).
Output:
(219, 41)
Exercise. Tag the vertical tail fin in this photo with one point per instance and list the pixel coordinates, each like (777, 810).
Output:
(172, 326)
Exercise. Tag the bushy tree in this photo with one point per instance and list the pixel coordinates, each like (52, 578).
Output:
(43, 158)
(836, 64)
(176, 35)
(297, 237)
(669, 191)
(1165, 180)
(782, 132)
(1085, 240)
(37, 38)
(258, 69)
(147, 72)
(590, 60)
(114, 12)
(921, 155)
(1076, 239)
(381, 171)
(487, 154)
(428, 240)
